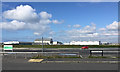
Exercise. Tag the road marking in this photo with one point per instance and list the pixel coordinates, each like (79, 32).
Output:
(35, 60)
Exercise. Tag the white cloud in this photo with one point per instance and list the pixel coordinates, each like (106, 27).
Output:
(85, 35)
(90, 32)
(113, 26)
(108, 33)
(68, 26)
(36, 33)
(110, 30)
(57, 22)
(45, 15)
(22, 13)
(102, 29)
(87, 31)
(52, 32)
(25, 17)
(89, 28)
(13, 25)
(45, 21)
(77, 26)
(40, 27)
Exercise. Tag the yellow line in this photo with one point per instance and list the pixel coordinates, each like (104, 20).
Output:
(35, 60)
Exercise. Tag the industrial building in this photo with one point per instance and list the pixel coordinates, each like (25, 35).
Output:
(25, 43)
(11, 43)
(57, 43)
(83, 43)
(104, 43)
(17, 43)
(46, 41)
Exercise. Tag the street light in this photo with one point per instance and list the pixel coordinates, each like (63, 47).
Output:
(42, 44)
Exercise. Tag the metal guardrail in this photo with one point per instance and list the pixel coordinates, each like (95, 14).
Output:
(26, 53)
(36, 52)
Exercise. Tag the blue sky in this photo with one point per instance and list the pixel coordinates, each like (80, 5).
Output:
(67, 21)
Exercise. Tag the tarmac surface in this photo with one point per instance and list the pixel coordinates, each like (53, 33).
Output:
(23, 64)
(59, 66)
(18, 62)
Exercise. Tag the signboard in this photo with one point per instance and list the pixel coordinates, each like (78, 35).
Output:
(96, 51)
(8, 47)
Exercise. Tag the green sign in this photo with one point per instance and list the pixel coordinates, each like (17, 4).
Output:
(8, 47)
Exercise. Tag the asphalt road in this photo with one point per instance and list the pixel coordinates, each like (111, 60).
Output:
(55, 66)
(22, 64)
(9, 62)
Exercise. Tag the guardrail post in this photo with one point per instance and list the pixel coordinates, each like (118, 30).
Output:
(102, 52)
(90, 53)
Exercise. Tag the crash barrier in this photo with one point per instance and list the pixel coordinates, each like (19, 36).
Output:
(30, 54)
(96, 51)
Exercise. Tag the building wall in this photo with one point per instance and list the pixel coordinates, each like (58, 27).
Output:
(55, 43)
(11, 42)
(85, 43)
(25, 43)
(40, 42)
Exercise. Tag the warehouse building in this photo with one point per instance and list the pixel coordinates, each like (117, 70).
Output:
(25, 43)
(46, 41)
(104, 43)
(57, 43)
(17, 43)
(83, 43)
(11, 43)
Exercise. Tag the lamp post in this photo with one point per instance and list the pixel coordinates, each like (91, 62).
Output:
(42, 44)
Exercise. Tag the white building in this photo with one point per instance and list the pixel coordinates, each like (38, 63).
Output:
(55, 43)
(46, 41)
(85, 43)
(11, 42)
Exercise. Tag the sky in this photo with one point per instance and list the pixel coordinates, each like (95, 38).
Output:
(61, 21)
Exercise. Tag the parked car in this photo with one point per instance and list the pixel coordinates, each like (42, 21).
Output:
(84, 47)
